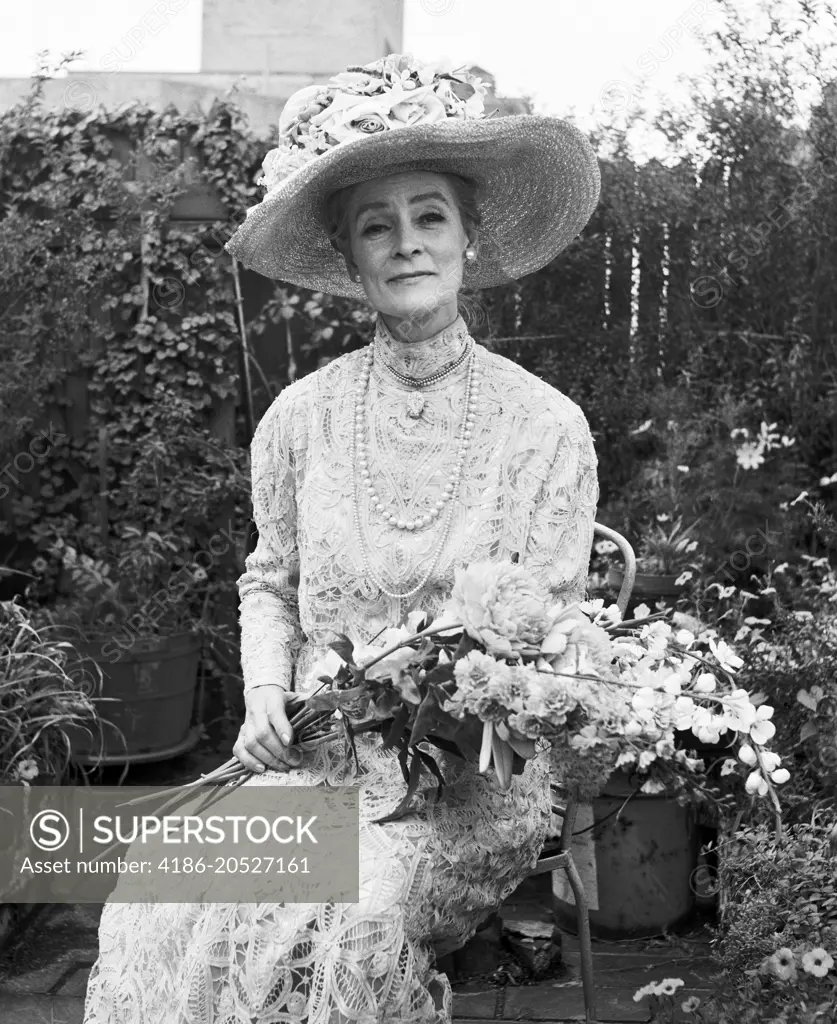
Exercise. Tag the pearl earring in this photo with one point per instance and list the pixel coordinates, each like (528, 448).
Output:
(470, 253)
(356, 277)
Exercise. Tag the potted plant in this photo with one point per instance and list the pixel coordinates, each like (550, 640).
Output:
(666, 558)
(138, 587)
(138, 640)
(644, 805)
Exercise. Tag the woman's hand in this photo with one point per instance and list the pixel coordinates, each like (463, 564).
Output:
(266, 736)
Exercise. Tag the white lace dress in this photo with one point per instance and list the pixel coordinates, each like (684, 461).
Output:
(529, 488)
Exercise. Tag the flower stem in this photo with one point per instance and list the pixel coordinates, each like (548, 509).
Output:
(430, 631)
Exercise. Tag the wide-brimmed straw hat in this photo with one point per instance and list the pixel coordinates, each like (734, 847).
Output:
(537, 177)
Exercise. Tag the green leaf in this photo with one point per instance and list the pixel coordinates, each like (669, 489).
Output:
(396, 730)
(334, 699)
(387, 702)
(430, 762)
(429, 715)
(465, 646)
(447, 745)
(441, 673)
(402, 761)
(344, 647)
(412, 786)
(469, 740)
(523, 748)
(809, 731)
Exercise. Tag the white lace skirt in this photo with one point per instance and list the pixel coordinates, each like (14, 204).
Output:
(426, 883)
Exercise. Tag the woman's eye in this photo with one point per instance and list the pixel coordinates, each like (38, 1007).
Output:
(429, 217)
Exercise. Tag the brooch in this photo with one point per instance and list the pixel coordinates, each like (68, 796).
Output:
(415, 404)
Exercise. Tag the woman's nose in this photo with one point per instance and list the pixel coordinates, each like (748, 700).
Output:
(407, 240)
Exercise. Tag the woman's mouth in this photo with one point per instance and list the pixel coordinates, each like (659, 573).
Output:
(409, 279)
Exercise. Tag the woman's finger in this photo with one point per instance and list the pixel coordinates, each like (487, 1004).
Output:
(267, 736)
(281, 726)
(250, 762)
(278, 762)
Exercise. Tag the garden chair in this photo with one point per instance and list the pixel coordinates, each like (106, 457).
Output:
(563, 860)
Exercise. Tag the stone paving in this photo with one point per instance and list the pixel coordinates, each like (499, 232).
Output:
(43, 977)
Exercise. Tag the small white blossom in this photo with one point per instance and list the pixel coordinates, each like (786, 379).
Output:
(762, 729)
(726, 657)
(652, 786)
(756, 784)
(749, 455)
(27, 769)
(747, 754)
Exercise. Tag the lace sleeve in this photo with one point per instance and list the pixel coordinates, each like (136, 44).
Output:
(561, 529)
(271, 635)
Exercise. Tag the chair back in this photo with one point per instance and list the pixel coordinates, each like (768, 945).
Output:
(628, 557)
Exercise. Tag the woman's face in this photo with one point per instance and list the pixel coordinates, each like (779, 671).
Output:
(408, 244)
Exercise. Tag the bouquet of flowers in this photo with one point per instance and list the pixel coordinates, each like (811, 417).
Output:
(504, 674)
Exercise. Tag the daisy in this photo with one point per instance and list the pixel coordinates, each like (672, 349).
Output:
(690, 1005)
(817, 962)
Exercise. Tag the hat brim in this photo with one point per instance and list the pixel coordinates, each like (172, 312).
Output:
(537, 180)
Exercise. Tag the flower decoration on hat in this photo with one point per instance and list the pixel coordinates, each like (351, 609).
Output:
(393, 92)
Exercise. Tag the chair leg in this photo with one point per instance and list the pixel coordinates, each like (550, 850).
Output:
(584, 940)
(582, 912)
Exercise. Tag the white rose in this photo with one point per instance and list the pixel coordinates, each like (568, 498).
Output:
(395, 109)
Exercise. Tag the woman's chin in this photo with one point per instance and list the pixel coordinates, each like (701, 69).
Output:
(419, 301)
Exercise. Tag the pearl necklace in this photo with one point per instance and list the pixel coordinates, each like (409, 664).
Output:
(423, 382)
(360, 458)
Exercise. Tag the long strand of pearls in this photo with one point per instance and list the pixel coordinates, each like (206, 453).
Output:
(363, 476)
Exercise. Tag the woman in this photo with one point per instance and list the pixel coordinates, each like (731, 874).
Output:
(373, 478)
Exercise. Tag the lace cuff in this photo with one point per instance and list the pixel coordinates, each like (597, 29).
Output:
(271, 635)
(561, 529)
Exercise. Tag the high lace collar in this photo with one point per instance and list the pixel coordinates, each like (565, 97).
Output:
(421, 358)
